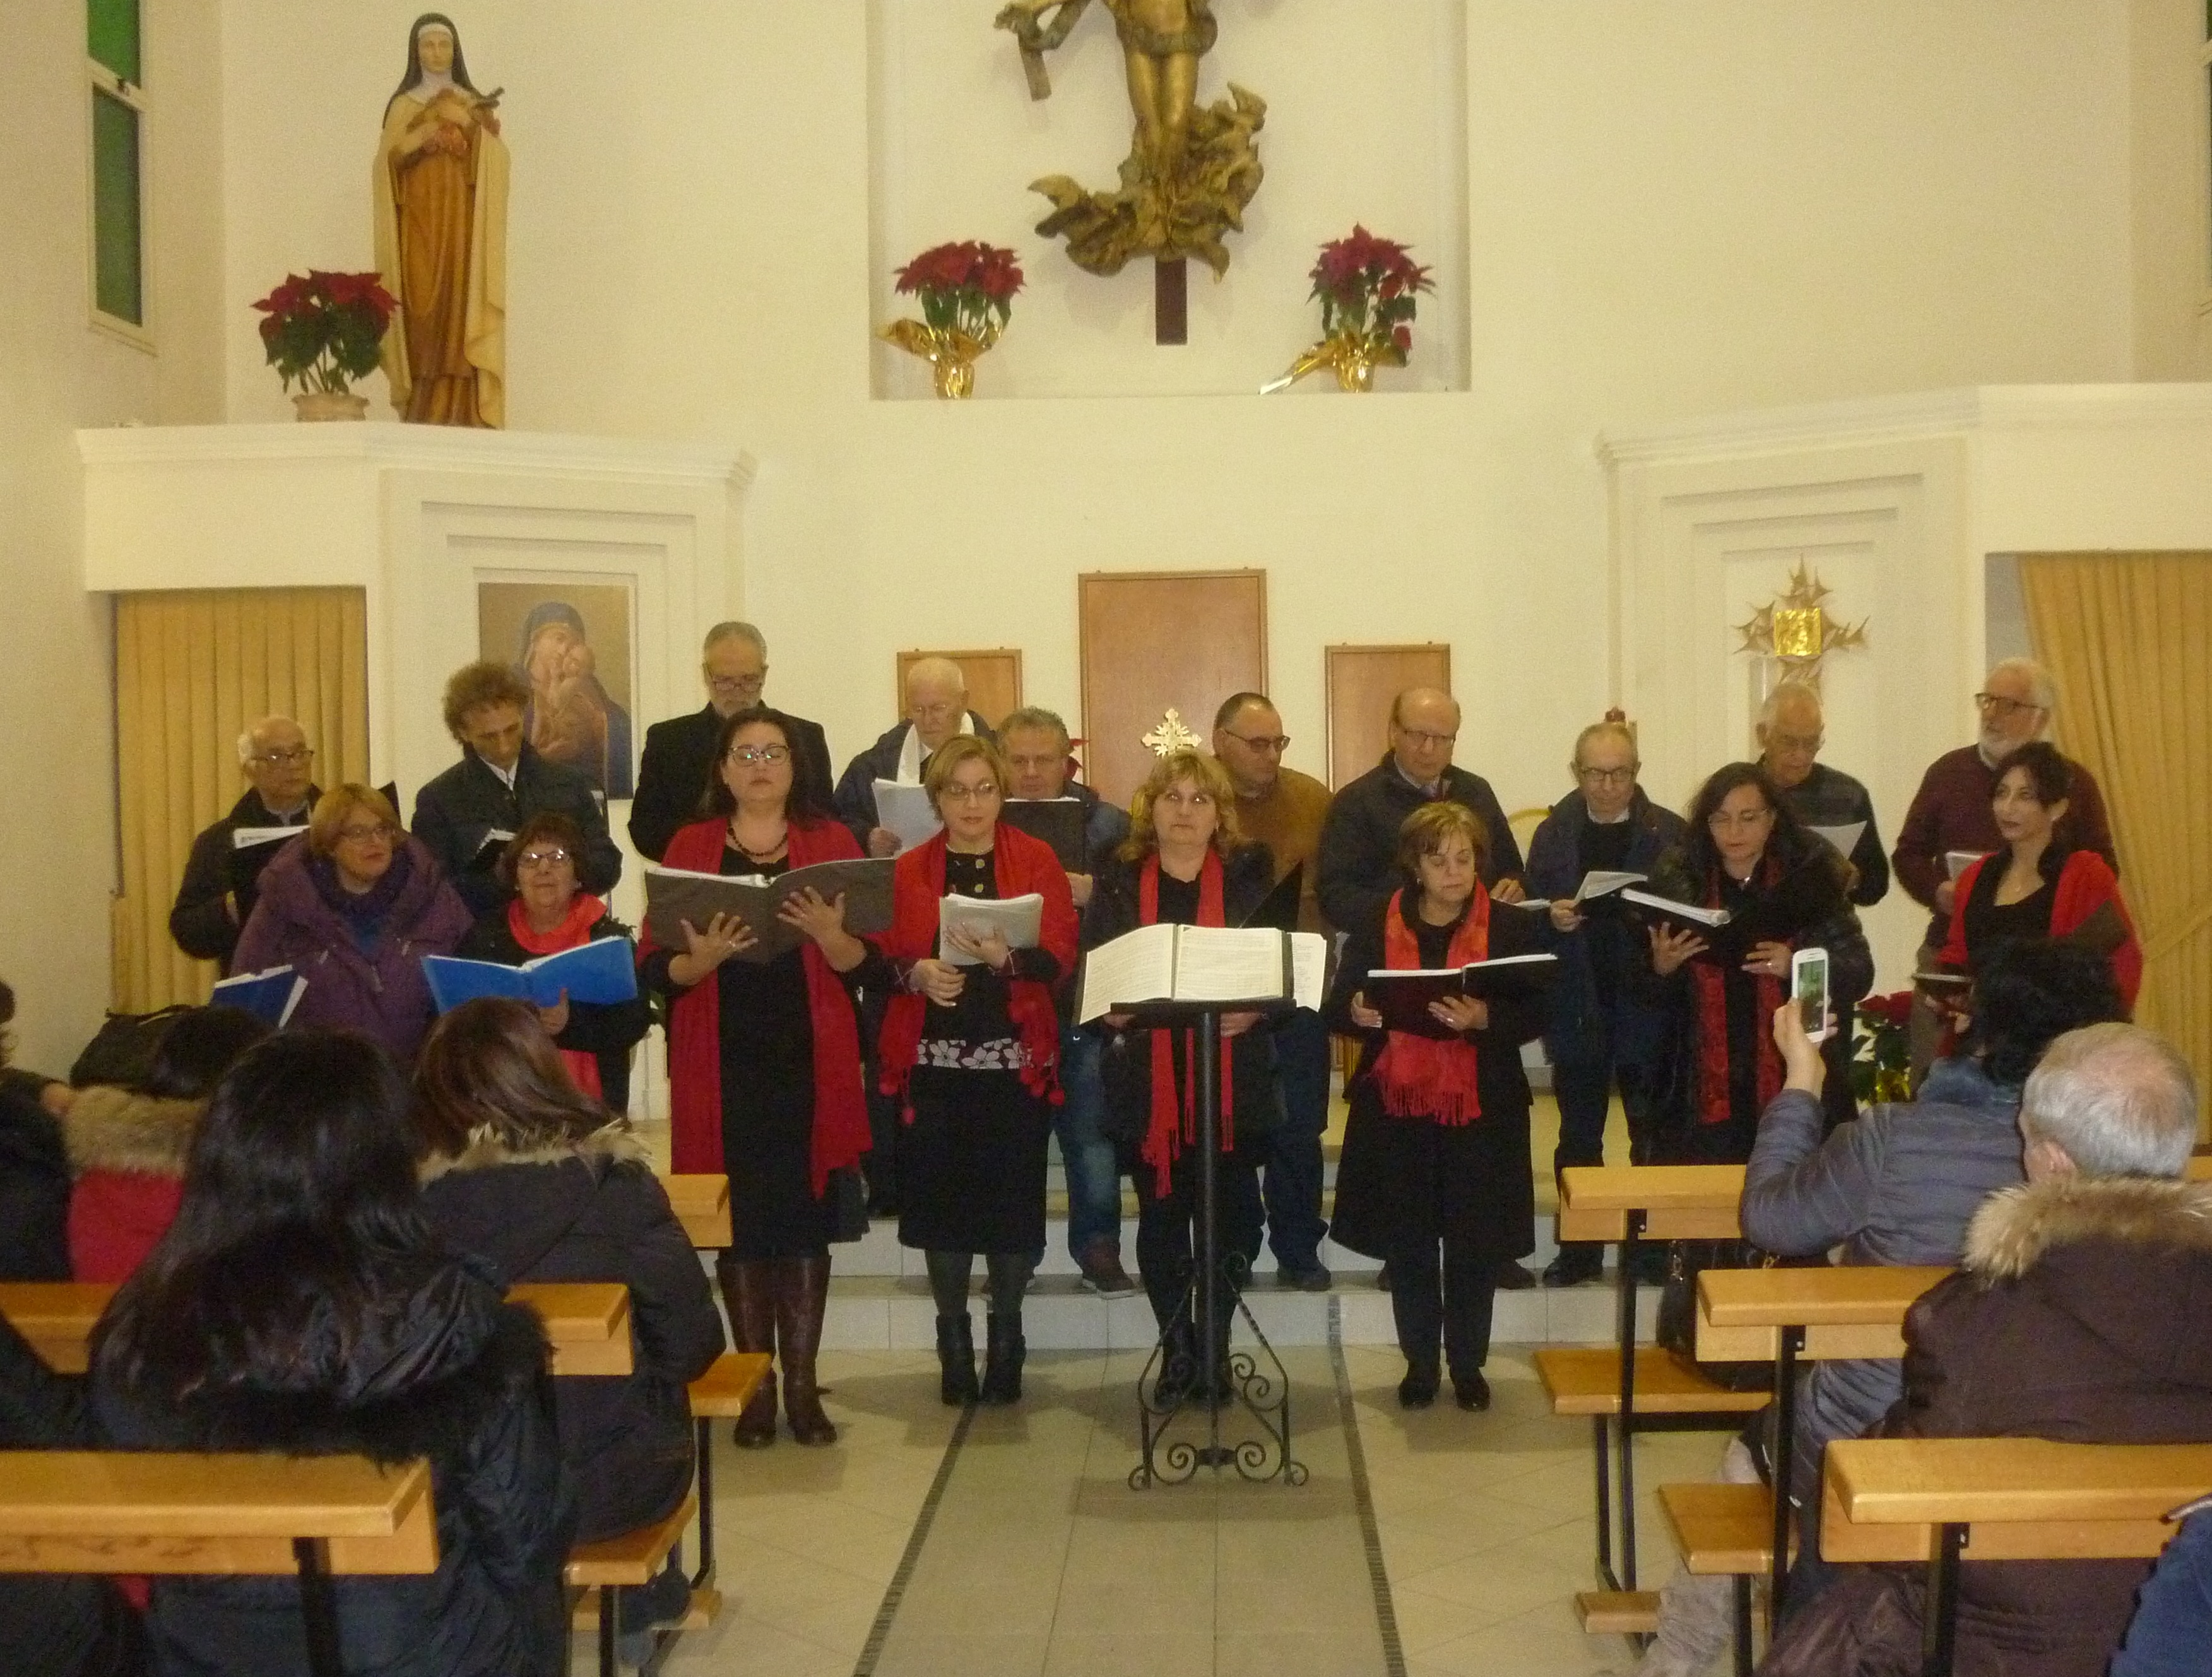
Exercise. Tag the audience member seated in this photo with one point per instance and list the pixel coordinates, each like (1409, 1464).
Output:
(1435, 1149)
(2071, 1319)
(679, 769)
(1185, 863)
(2172, 1625)
(524, 1171)
(549, 912)
(1790, 734)
(127, 1146)
(467, 814)
(300, 1302)
(2039, 884)
(353, 911)
(1743, 842)
(219, 888)
(936, 711)
(1898, 1186)
(34, 1179)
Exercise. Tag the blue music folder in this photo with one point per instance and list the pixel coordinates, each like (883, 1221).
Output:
(598, 973)
(270, 996)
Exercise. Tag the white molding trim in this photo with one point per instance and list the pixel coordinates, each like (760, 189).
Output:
(391, 444)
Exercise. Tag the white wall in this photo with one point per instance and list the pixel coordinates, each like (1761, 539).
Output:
(56, 372)
(2170, 194)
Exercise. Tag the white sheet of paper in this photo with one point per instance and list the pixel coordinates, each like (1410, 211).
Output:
(906, 810)
(1956, 862)
(1309, 968)
(1603, 882)
(245, 838)
(1229, 963)
(1846, 839)
(1136, 967)
(1021, 918)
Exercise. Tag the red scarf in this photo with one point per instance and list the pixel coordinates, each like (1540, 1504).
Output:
(585, 912)
(2086, 883)
(695, 1046)
(1019, 865)
(1430, 1076)
(1709, 984)
(1173, 1123)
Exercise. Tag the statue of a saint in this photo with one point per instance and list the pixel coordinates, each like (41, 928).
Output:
(440, 195)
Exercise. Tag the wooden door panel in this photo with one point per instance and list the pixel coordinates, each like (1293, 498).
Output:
(1362, 682)
(1154, 640)
(995, 679)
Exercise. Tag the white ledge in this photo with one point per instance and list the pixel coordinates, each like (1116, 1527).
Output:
(443, 447)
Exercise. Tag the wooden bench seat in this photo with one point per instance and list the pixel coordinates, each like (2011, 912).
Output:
(724, 1390)
(1585, 1380)
(629, 1560)
(1678, 1201)
(1855, 1310)
(1721, 1528)
(1618, 1612)
(701, 1204)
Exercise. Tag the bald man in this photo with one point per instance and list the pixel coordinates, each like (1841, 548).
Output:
(220, 886)
(1791, 731)
(936, 710)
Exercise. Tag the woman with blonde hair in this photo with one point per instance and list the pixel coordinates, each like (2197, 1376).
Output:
(1185, 863)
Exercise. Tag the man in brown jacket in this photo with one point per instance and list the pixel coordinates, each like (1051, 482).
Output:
(2074, 1317)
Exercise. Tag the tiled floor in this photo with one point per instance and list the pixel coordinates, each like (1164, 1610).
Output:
(1040, 1560)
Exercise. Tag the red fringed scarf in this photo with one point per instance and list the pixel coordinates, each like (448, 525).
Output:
(1432, 1076)
(1709, 984)
(585, 912)
(695, 1047)
(1174, 1112)
(1019, 865)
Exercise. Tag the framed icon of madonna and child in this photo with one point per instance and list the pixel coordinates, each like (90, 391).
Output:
(570, 638)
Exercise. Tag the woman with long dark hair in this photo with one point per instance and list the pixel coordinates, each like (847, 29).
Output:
(765, 1063)
(300, 1303)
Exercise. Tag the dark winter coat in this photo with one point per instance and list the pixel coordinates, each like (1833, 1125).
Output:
(127, 1150)
(593, 1211)
(1359, 855)
(378, 990)
(2071, 1319)
(34, 1192)
(856, 787)
(448, 1372)
(200, 922)
(679, 764)
(462, 807)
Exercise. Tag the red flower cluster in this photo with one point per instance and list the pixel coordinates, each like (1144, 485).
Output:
(968, 265)
(1367, 288)
(325, 329)
(316, 290)
(1894, 1011)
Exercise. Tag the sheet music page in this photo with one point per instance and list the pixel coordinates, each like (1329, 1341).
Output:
(1136, 967)
(1229, 963)
(1020, 918)
(1309, 968)
(1844, 838)
(906, 810)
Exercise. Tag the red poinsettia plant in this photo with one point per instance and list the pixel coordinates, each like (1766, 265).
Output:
(1880, 1071)
(1367, 288)
(967, 287)
(324, 329)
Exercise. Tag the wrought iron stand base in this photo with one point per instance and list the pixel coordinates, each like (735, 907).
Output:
(1176, 1378)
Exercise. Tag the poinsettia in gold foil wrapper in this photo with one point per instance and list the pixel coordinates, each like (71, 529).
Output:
(951, 353)
(1367, 288)
(967, 295)
(1351, 357)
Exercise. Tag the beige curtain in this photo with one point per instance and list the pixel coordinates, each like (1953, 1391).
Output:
(2129, 636)
(193, 670)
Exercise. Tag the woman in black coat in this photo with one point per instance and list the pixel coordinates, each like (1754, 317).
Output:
(1185, 863)
(300, 1303)
(1436, 1147)
(524, 1171)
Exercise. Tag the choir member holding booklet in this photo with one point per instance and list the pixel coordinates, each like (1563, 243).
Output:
(1185, 863)
(765, 1063)
(972, 1041)
(1435, 1176)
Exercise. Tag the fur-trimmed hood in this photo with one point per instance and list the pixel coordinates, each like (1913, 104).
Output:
(2019, 1227)
(107, 1128)
(516, 1206)
(614, 1144)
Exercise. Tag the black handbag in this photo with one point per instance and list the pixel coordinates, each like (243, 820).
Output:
(122, 1051)
(849, 1196)
(1677, 1326)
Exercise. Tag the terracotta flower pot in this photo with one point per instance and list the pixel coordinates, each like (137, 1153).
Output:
(313, 404)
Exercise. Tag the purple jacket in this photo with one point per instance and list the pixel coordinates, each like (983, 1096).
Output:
(380, 993)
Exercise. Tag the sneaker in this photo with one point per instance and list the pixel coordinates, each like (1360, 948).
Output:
(1101, 1264)
(1305, 1277)
(1574, 1266)
(1514, 1278)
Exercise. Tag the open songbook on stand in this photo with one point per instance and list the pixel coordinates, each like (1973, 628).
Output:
(1402, 996)
(1201, 964)
(674, 895)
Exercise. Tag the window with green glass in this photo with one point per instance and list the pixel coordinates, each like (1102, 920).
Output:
(111, 35)
(114, 68)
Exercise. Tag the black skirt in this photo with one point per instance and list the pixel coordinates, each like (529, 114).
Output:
(1405, 1182)
(767, 1114)
(971, 1165)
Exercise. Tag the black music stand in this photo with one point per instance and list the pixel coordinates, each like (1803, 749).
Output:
(1190, 1377)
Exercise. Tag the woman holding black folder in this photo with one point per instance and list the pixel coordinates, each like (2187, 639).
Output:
(1436, 1175)
(765, 1063)
(1783, 889)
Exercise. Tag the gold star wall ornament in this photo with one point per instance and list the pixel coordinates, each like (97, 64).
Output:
(1170, 734)
(1795, 629)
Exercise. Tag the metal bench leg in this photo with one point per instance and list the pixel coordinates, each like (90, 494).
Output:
(1743, 1661)
(1631, 1243)
(1792, 1341)
(1939, 1630)
(705, 1576)
(1603, 1440)
(610, 1602)
(318, 1607)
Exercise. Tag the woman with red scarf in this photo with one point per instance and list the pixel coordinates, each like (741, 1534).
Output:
(549, 912)
(1436, 1146)
(1743, 847)
(1185, 863)
(765, 1063)
(971, 1043)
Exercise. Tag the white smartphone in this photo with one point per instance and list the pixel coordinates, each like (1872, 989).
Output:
(1808, 989)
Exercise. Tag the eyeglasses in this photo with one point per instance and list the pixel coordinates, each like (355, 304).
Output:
(277, 759)
(1194, 800)
(1796, 742)
(552, 858)
(1606, 776)
(1276, 743)
(1720, 820)
(975, 793)
(738, 683)
(1423, 737)
(382, 831)
(752, 754)
(1997, 705)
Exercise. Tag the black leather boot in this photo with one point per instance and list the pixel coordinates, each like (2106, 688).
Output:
(956, 1360)
(1002, 1361)
(802, 1297)
(748, 1296)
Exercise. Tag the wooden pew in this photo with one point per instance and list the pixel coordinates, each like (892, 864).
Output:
(317, 1516)
(701, 1204)
(1940, 1500)
(588, 1322)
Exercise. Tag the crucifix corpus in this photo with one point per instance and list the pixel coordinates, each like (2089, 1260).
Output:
(1191, 170)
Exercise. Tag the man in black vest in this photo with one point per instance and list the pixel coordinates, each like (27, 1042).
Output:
(679, 754)
(222, 877)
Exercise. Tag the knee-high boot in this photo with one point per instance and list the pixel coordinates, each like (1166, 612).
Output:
(748, 1296)
(802, 1297)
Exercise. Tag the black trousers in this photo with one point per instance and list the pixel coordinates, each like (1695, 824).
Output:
(1168, 1232)
(1448, 1299)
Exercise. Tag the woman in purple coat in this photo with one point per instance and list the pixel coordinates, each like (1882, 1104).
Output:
(352, 906)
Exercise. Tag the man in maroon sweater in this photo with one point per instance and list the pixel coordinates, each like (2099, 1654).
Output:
(1951, 812)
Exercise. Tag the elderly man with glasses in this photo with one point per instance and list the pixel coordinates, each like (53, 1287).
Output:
(222, 876)
(1790, 735)
(1952, 815)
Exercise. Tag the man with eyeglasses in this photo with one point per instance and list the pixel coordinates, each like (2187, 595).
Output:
(223, 875)
(1605, 1034)
(1951, 814)
(679, 753)
(936, 711)
(1790, 735)
(1286, 810)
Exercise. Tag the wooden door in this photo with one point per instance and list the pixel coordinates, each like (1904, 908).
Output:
(1156, 640)
(1362, 683)
(994, 680)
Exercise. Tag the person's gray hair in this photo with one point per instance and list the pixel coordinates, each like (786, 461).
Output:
(1789, 692)
(734, 630)
(245, 740)
(1037, 716)
(2118, 1100)
(2042, 690)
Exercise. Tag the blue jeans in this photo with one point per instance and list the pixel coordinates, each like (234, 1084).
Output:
(1294, 1164)
(1094, 1183)
(2173, 1617)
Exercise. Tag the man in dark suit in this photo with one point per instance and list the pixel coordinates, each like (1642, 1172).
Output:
(222, 877)
(679, 754)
